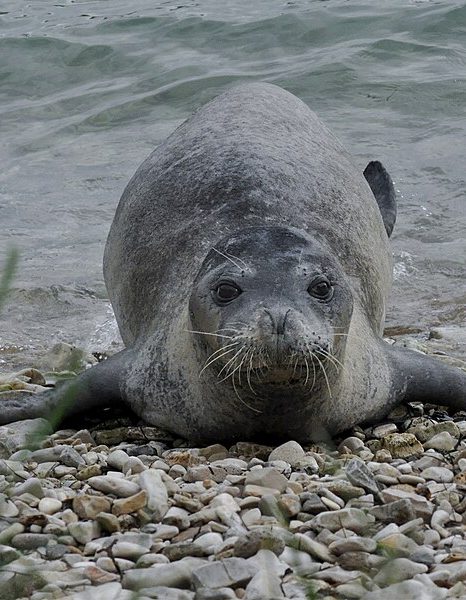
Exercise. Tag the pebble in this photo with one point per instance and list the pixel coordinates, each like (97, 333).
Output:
(444, 442)
(291, 452)
(378, 518)
(109, 484)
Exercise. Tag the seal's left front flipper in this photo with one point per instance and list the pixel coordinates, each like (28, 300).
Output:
(420, 378)
(99, 386)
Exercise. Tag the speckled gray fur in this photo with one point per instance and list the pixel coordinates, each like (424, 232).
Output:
(253, 164)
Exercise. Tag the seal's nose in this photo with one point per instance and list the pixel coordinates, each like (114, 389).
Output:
(278, 320)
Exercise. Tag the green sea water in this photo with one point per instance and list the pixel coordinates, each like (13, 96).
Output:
(89, 87)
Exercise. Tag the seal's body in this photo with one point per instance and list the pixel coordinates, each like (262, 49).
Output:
(249, 266)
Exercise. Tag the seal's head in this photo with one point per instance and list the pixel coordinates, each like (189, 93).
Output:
(270, 310)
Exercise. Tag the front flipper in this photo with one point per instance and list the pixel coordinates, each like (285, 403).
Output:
(99, 386)
(420, 378)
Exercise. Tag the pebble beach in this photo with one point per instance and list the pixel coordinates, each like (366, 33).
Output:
(130, 512)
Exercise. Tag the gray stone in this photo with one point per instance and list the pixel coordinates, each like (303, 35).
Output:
(397, 570)
(443, 442)
(360, 475)
(353, 544)
(31, 541)
(399, 511)
(439, 474)
(231, 572)
(157, 495)
(84, 531)
(110, 484)
(21, 434)
(290, 452)
(71, 458)
(8, 554)
(8, 509)
(30, 486)
(348, 518)
(422, 507)
(313, 547)
(216, 594)
(117, 459)
(128, 550)
(265, 585)
(262, 538)
(106, 591)
(411, 590)
(165, 593)
(49, 506)
(176, 574)
(268, 478)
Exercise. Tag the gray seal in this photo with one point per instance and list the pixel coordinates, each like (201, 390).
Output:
(249, 267)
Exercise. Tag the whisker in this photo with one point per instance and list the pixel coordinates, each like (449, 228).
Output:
(325, 375)
(212, 358)
(208, 333)
(230, 257)
(226, 365)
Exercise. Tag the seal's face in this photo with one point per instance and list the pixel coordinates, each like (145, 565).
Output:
(270, 309)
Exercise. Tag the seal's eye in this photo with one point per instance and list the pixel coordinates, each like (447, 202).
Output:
(226, 292)
(321, 288)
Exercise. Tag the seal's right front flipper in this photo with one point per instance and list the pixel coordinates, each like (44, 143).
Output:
(99, 386)
(383, 189)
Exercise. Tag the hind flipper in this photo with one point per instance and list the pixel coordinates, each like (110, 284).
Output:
(420, 378)
(99, 386)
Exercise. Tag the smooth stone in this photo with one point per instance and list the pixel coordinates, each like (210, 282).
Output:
(344, 489)
(118, 486)
(49, 506)
(266, 478)
(399, 511)
(412, 590)
(176, 574)
(31, 541)
(71, 458)
(8, 554)
(166, 593)
(313, 547)
(106, 591)
(128, 550)
(8, 509)
(290, 452)
(422, 507)
(251, 542)
(216, 594)
(157, 495)
(31, 486)
(84, 531)
(21, 434)
(439, 474)
(224, 573)
(353, 544)
(233, 466)
(441, 441)
(385, 429)
(9, 532)
(117, 459)
(398, 569)
(349, 518)
(399, 545)
(147, 560)
(300, 562)
(266, 583)
(88, 507)
(124, 506)
(108, 522)
(426, 431)
(352, 443)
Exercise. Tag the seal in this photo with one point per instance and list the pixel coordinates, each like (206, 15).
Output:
(249, 267)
